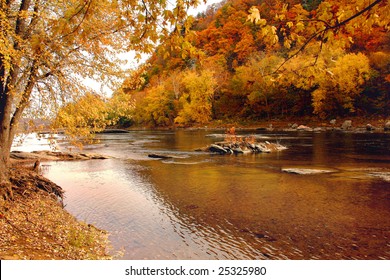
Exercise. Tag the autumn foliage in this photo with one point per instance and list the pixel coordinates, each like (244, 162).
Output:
(248, 59)
(49, 48)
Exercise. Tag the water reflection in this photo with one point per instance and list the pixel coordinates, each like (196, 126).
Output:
(198, 206)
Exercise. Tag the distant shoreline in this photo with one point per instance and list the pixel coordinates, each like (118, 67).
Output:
(359, 124)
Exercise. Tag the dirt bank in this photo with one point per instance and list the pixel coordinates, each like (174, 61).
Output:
(34, 225)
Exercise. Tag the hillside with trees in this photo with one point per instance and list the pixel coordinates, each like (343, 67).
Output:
(259, 59)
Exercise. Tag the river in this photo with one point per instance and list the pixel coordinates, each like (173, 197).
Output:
(202, 206)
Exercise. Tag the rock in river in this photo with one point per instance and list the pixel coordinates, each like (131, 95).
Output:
(306, 171)
(243, 147)
(218, 149)
(347, 125)
(387, 126)
(304, 128)
(159, 156)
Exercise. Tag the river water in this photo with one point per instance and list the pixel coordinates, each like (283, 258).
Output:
(202, 206)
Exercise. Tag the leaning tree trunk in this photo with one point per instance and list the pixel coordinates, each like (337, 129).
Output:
(7, 128)
(9, 118)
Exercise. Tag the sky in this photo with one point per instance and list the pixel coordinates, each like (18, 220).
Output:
(202, 7)
(131, 56)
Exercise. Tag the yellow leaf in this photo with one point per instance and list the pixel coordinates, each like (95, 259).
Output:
(287, 44)
(262, 22)
(340, 16)
(254, 15)
(275, 39)
(299, 27)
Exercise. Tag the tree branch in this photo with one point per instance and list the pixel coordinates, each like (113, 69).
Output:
(34, 19)
(301, 49)
(21, 22)
(328, 27)
(369, 7)
(24, 101)
(86, 4)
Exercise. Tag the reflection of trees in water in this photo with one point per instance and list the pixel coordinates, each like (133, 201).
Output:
(247, 199)
(231, 207)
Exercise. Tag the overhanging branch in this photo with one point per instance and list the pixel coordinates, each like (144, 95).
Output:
(323, 31)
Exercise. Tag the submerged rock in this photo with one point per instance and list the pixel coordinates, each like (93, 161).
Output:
(159, 156)
(381, 175)
(306, 171)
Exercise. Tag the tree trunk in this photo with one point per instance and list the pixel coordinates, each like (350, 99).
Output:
(5, 141)
(4, 167)
(6, 101)
(8, 80)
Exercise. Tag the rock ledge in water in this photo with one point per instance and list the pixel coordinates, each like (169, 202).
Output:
(243, 147)
(306, 171)
(54, 156)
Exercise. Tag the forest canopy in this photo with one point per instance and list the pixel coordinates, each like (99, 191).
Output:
(253, 59)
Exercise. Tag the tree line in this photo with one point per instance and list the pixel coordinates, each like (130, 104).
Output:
(251, 60)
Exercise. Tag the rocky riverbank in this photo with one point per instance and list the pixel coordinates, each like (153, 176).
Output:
(352, 125)
(347, 125)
